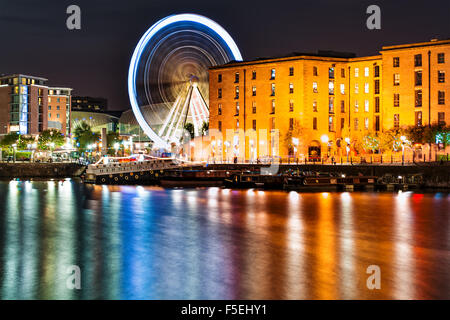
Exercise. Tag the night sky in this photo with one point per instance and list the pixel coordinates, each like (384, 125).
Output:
(94, 60)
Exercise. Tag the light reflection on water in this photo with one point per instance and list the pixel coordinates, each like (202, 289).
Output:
(151, 243)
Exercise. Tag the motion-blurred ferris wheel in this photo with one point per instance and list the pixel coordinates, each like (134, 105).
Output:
(168, 75)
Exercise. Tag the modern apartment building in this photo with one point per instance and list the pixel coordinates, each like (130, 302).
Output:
(25, 102)
(315, 104)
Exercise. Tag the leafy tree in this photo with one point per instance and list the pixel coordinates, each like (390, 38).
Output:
(48, 137)
(205, 128)
(10, 139)
(84, 136)
(371, 142)
(296, 132)
(189, 127)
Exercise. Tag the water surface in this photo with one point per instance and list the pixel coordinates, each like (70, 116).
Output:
(151, 243)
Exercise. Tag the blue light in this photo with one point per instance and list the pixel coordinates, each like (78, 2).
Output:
(173, 19)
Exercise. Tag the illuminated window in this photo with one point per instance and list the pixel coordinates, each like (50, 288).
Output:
(331, 87)
(49, 99)
(356, 106)
(291, 88)
(254, 91)
(272, 89)
(236, 91)
(273, 106)
(342, 88)
(272, 74)
(237, 123)
(356, 88)
(330, 123)
(219, 109)
(366, 105)
(418, 118)
(366, 71)
(441, 76)
(314, 106)
(237, 109)
(366, 123)
(396, 100)
(315, 87)
(366, 88)
(331, 104)
(254, 106)
(356, 72)
(396, 79)
(331, 73)
(440, 57)
(396, 62)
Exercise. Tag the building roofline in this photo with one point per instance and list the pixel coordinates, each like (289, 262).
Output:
(433, 42)
(294, 58)
(21, 75)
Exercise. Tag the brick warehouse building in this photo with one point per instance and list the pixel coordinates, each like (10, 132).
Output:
(309, 105)
(29, 106)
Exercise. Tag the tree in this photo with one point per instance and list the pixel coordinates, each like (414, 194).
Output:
(112, 139)
(50, 137)
(371, 142)
(189, 127)
(295, 133)
(10, 139)
(84, 136)
(205, 128)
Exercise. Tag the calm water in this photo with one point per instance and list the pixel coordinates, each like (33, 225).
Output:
(151, 243)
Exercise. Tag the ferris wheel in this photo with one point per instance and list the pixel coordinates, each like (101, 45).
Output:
(168, 75)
